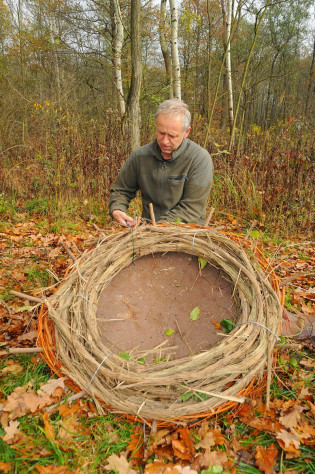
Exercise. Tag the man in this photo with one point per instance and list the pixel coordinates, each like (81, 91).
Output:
(173, 173)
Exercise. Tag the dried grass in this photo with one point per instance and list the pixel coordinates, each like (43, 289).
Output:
(153, 390)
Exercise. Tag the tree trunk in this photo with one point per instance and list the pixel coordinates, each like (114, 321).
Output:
(257, 27)
(164, 48)
(228, 64)
(174, 42)
(53, 29)
(310, 81)
(117, 44)
(133, 104)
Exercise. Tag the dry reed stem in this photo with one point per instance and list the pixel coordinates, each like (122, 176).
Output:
(153, 390)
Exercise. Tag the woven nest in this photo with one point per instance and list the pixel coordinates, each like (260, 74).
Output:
(150, 390)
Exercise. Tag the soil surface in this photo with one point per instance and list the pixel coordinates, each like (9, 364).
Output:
(158, 292)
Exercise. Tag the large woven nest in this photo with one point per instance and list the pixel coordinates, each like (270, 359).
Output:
(156, 390)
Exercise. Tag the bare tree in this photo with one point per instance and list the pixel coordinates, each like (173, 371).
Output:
(133, 103)
(228, 63)
(117, 44)
(174, 50)
(164, 47)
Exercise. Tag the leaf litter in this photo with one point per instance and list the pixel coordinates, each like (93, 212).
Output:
(250, 435)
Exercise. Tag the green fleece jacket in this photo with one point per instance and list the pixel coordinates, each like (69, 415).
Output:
(178, 188)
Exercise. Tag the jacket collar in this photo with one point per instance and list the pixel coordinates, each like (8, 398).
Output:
(175, 154)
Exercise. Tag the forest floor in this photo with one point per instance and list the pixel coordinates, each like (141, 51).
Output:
(44, 430)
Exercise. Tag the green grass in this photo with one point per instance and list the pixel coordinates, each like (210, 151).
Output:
(99, 437)
(33, 373)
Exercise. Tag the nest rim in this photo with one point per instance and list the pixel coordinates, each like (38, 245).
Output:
(108, 368)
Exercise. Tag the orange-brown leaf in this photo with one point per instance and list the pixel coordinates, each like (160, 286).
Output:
(48, 428)
(5, 467)
(266, 458)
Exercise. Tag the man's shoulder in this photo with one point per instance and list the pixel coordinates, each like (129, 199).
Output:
(144, 150)
(195, 147)
(197, 152)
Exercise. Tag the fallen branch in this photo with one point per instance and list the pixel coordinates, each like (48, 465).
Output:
(250, 230)
(24, 296)
(65, 246)
(24, 350)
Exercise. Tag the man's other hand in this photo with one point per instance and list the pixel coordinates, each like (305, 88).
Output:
(123, 219)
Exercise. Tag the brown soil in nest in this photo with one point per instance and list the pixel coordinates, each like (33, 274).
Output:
(158, 292)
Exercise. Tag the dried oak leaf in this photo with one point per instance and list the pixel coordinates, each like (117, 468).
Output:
(120, 464)
(10, 431)
(53, 469)
(156, 467)
(290, 418)
(135, 445)
(69, 428)
(266, 458)
(289, 438)
(19, 403)
(13, 369)
(6, 467)
(52, 386)
(178, 468)
(217, 458)
(207, 442)
(29, 336)
(183, 447)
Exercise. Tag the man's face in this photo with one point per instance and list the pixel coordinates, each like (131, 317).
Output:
(169, 133)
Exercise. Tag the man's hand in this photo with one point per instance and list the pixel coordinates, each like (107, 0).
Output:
(123, 219)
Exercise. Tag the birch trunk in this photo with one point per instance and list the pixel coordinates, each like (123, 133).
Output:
(117, 44)
(174, 50)
(228, 64)
(164, 48)
(133, 104)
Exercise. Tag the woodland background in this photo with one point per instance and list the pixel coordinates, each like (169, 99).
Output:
(79, 85)
(80, 82)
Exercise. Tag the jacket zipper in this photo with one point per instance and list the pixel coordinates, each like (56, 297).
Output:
(160, 183)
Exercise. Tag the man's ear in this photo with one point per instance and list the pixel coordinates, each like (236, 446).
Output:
(187, 132)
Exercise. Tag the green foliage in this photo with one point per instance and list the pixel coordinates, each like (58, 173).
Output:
(195, 314)
(168, 332)
(33, 373)
(202, 263)
(227, 325)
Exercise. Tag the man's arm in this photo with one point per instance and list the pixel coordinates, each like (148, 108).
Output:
(122, 192)
(192, 205)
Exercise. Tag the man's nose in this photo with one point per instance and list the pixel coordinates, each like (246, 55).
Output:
(165, 139)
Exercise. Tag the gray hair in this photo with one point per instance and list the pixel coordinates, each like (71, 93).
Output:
(175, 107)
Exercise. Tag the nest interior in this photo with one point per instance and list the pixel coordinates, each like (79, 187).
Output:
(170, 389)
(154, 298)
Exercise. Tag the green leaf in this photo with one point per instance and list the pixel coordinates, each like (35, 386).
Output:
(255, 234)
(227, 325)
(141, 360)
(226, 152)
(177, 221)
(124, 355)
(24, 308)
(212, 470)
(294, 363)
(168, 332)
(203, 396)
(195, 314)
(186, 396)
(202, 262)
